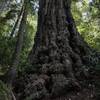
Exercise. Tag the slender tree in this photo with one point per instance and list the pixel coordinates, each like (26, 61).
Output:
(12, 72)
(17, 21)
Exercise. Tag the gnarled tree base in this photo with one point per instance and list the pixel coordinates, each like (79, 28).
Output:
(44, 87)
(57, 56)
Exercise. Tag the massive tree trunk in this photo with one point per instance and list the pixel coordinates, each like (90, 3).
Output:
(57, 54)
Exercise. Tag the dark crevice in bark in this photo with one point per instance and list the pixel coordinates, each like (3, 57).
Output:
(77, 42)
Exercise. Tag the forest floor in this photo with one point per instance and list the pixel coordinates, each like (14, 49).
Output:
(86, 93)
(90, 92)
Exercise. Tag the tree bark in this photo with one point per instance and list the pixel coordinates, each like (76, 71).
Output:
(57, 54)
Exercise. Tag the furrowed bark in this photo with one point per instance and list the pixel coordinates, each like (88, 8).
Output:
(56, 56)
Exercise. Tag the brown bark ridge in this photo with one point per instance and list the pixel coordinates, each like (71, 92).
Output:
(57, 54)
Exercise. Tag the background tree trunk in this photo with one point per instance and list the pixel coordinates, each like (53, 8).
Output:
(12, 72)
(57, 55)
(17, 22)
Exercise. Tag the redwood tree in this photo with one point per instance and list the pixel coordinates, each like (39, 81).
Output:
(57, 54)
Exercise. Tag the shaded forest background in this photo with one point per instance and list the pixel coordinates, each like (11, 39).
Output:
(87, 18)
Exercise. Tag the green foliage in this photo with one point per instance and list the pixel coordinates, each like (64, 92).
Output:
(6, 50)
(28, 40)
(4, 92)
(7, 46)
(87, 18)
